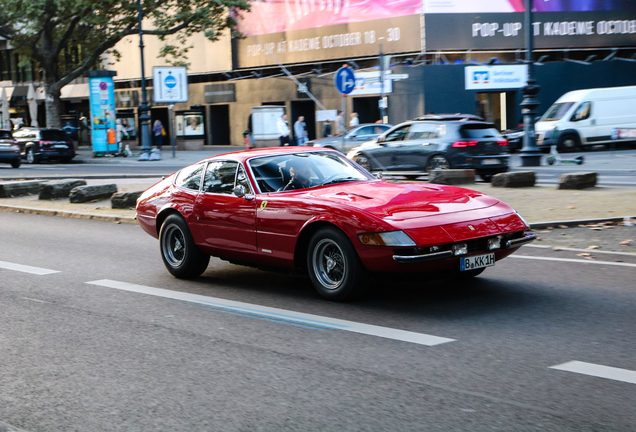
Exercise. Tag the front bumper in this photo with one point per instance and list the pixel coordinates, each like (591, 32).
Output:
(9, 155)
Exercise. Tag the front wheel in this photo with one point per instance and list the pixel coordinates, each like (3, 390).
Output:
(334, 266)
(15, 163)
(437, 162)
(364, 162)
(180, 255)
(568, 143)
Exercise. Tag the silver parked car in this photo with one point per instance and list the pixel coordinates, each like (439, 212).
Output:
(354, 136)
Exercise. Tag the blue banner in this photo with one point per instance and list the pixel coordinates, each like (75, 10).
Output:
(102, 100)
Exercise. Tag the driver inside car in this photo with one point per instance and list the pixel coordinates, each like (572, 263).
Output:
(300, 174)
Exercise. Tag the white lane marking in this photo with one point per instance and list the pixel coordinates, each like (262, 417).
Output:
(579, 261)
(26, 269)
(279, 314)
(35, 300)
(594, 251)
(599, 371)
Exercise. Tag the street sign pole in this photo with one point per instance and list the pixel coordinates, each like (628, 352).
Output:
(173, 132)
(344, 110)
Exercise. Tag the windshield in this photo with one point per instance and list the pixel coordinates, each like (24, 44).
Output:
(54, 135)
(557, 111)
(303, 170)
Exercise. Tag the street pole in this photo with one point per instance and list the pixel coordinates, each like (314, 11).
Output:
(344, 121)
(144, 109)
(382, 94)
(530, 154)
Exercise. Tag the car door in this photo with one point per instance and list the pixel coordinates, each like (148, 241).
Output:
(584, 123)
(363, 134)
(224, 220)
(421, 141)
(386, 155)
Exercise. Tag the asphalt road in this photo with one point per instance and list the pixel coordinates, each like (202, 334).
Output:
(110, 341)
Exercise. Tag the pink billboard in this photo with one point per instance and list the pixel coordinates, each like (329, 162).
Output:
(277, 16)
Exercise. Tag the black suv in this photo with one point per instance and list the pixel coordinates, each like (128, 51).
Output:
(419, 146)
(37, 144)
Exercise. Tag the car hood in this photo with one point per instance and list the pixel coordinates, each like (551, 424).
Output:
(396, 202)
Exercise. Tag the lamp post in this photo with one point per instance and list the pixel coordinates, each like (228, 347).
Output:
(530, 154)
(144, 109)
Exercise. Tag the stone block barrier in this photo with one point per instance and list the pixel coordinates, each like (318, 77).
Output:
(125, 200)
(577, 180)
(59, 188)
(452, 176)
(82, 194)
(514, 179)
(18, 188)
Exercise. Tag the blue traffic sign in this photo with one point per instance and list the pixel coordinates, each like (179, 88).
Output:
(171, 81)
(344, 80)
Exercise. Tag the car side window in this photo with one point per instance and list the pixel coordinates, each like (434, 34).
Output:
(190, 177)
(365, 130)
(423, 131)
(219, 177)
(582, 112)
(398, 134)
(241, 179)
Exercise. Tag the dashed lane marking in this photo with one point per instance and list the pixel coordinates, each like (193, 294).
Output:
(279, 315)
(26, 269)
(599, 371)
(577, 261)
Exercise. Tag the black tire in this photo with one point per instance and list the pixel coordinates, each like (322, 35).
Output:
(363, 161)
(334, 266)
(486, 177)
(16, 163)
(568, 143)
(469, 274)
(436, 162)
(67, 160)
(31, 157)
(180, 255)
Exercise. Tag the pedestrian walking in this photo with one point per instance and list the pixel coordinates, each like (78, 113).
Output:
(300, 131)
(120, 131)
(355, 121)
(340, 123)
(283, 130)
(159, 132)
(326, 130)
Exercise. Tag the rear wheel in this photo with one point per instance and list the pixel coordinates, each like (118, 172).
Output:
(437, 162)
(180, 255)
(31, 157)
(334, 266)
(15, 163)
(568, 143)
(486, 177)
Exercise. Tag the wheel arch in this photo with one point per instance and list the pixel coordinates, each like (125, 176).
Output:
(300, 251)
(163, 215)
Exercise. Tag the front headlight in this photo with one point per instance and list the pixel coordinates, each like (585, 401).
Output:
(390, 238)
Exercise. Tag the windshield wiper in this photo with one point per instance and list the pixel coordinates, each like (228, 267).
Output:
(340, 180)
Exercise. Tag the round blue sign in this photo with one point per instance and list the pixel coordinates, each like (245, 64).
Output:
(344, 80)
(170, 81)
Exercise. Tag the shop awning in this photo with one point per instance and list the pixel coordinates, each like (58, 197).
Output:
(75, 91)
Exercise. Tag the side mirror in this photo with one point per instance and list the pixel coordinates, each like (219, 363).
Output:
(240, 191)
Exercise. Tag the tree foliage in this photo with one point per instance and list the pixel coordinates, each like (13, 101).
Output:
(65, 38)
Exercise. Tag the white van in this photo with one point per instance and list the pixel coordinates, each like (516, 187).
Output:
(587, 117)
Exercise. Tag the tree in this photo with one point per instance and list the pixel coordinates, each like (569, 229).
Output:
(65, 38)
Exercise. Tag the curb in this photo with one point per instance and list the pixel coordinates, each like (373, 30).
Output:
(575, 222)
(68, 214)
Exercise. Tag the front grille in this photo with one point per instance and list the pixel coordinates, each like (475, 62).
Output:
(475, 246)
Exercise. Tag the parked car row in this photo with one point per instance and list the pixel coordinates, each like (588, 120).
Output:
(35, 145)
(446, 141)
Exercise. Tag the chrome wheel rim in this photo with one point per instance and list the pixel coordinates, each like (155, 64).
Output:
(329, 264)
(174, 246)
(364, 163)
(29, 156)
(438, 162)
(569, 143)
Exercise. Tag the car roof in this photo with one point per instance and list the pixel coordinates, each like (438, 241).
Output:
(450, 117)
(244, 155)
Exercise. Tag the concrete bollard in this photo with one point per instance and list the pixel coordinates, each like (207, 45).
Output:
(514, 179)
(577, 180)
(452, 176)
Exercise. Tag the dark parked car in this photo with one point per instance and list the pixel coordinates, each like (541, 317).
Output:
(354, 136)
(423, 145)
(37, 144)
(9, 149)
(515, 138)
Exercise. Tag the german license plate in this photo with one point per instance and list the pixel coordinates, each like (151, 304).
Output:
(490, 162)
(477, 262)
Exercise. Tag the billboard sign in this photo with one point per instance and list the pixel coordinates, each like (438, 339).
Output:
(288, 31)
(102, 104)
(495, 77)
(499, 24)
(368, 83)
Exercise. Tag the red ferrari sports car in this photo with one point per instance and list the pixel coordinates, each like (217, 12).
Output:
(313, 209)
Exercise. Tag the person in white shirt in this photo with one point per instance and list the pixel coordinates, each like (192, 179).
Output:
(355, 121)
(283, 130)
(340, 123)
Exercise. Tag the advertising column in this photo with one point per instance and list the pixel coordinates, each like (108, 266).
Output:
(102, 101)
